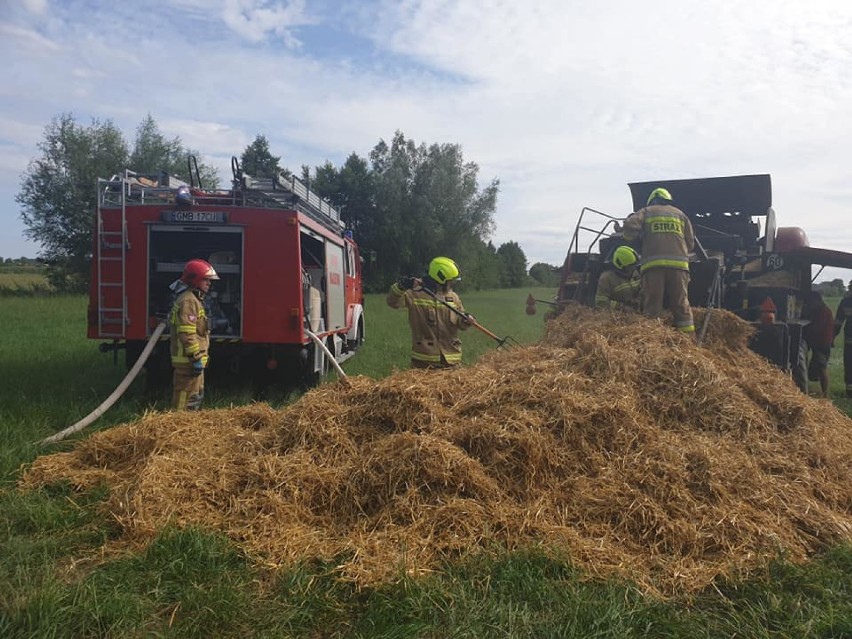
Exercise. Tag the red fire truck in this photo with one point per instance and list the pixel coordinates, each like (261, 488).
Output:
(286, 263)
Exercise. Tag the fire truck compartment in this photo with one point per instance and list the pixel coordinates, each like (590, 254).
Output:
(170, 247)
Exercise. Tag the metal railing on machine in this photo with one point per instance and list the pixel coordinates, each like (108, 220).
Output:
(589, 234)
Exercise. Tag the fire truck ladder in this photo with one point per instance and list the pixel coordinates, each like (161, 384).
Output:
(112, 257)
(287, 193)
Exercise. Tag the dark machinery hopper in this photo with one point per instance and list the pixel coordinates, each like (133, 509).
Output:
(722, 210)
(743, 195)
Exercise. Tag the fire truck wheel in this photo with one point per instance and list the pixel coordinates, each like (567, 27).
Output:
(313, 378)
(132, 352)
(359, 336)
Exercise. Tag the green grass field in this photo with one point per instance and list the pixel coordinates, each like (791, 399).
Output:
(194, 583)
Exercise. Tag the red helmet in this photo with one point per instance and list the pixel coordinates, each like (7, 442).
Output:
(197, 270)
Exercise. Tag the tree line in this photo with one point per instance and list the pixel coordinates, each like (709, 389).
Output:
(404, 202)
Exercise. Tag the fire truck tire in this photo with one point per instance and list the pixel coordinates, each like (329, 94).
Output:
(132, 352)
(326, 361)
(359, 336)
(157, 368)
(313, 378)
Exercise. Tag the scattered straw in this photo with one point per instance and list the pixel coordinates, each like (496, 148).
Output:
(616, 440)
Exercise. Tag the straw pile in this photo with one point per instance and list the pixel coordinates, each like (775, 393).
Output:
(615, 440)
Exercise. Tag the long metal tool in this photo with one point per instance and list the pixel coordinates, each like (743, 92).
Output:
(715, 287)
(501, 341)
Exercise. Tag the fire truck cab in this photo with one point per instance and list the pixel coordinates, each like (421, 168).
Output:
(286, 266)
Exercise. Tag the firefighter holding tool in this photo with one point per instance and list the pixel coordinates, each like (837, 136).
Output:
(190, 334)
(435, 313)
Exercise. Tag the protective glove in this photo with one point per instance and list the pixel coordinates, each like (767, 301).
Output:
(406, 282)
(197, 367)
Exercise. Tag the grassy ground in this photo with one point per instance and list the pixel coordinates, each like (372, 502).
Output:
(191, 583)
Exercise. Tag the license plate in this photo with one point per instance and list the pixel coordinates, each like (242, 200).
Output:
(201, 217)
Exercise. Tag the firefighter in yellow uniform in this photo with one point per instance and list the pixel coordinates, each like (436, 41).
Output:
(190, 334)
(667, 239)
(619, 288)
(434, 326)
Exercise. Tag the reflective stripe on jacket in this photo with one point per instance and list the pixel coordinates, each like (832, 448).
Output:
(190, 332)
(434, 327)
(666, 235)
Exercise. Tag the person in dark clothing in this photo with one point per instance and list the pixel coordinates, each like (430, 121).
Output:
(819, 334)
(843, 320)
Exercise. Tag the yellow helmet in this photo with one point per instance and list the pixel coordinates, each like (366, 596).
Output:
(443, 269)
(661, 193)
(623, 257)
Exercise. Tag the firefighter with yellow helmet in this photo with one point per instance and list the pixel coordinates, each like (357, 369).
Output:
(666, 238)
(190, 334)
(434, 326)
(619, 288)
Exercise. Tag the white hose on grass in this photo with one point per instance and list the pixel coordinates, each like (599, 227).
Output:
(118, 392)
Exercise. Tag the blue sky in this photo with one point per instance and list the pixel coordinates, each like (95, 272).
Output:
(564, 101)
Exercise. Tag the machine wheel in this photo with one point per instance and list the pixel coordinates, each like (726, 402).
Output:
(800, 367)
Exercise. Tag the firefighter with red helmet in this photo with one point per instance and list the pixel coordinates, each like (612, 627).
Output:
(434, 326)
(666, 238)
(190, 334)
(619, 287)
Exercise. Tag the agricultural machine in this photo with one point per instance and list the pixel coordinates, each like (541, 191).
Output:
(743, 261)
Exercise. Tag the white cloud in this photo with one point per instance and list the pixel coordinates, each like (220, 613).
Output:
(255, 19)
(565, 103)
(38, 7)
(29, 39)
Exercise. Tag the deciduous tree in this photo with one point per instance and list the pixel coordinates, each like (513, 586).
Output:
(58, 194)
(153, 152)
(513, 265)
(428, 203)
(545, 274)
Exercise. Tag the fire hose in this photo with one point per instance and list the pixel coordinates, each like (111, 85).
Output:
(118, 392)
(329, 355)
(134, 371)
